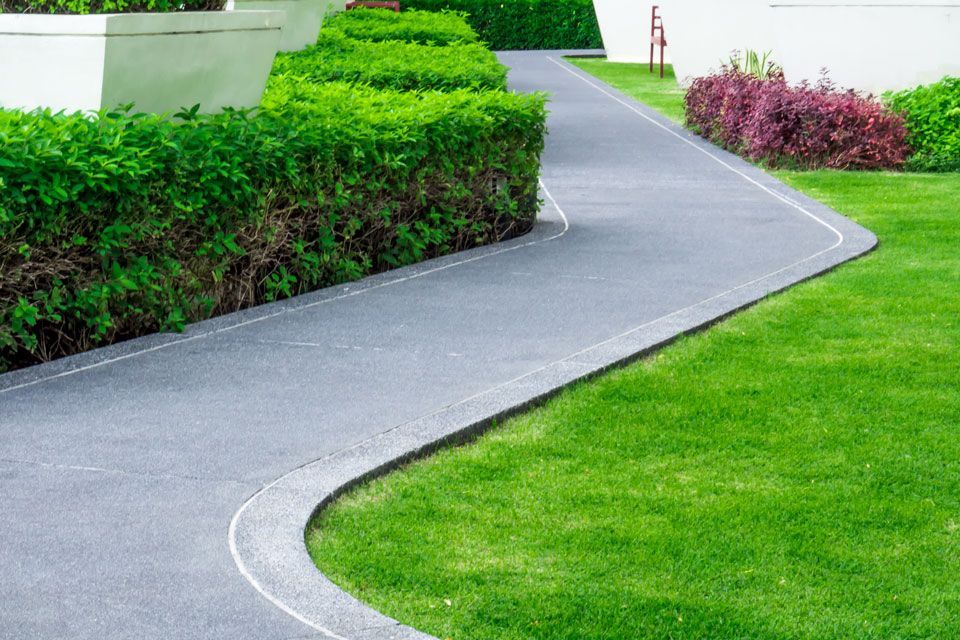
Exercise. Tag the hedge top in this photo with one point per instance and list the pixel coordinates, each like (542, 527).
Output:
(394, 64)
(83, 7)
(422, 27)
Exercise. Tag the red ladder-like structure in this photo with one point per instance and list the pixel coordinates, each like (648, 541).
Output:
(657, 37)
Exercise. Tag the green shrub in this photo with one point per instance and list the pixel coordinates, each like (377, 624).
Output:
(526, 24)
(119, 225)
(394, 65)
(422, 27)
(108, 6)
(932, 115)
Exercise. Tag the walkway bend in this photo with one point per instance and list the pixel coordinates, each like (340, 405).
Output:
(159, 488)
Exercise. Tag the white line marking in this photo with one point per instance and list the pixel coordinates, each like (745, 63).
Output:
(483, 256)
(231, 533)
(233, 523)
(789, 201)
(232, 530)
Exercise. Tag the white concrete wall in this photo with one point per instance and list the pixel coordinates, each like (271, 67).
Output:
(703, 33)
(625, 29)
(160, 62)
(874, 45)
(304, 18)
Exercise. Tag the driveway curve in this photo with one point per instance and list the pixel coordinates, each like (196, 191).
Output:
(159, 488)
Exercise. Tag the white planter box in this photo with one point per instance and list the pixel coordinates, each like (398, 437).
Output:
(871, 46)
(161, 62)
(703, 33)
(304, 18)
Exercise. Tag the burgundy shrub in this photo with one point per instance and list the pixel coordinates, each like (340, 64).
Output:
(806, 127)
(718, 106)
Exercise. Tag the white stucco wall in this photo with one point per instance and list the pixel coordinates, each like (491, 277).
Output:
(703, 33)
(625, 29)
(160, 62)
(874, 45)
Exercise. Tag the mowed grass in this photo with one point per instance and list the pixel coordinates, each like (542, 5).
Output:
(636, 81)
(793, 472)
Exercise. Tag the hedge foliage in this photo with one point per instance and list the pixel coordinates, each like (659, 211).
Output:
(525, 24)
(932, 115)
(394, 64)
(801, 127)
(108, 6)
(117, 225)
(422, 27)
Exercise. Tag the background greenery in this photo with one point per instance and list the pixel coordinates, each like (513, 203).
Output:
(525, 24)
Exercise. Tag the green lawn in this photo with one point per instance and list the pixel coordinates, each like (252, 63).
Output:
(636, 80)
(793, 472)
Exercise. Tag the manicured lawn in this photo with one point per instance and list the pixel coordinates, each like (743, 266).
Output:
(636, 80)
(793, 472)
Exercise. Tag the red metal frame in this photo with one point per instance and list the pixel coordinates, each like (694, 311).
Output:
(657, 39)
(379, 4)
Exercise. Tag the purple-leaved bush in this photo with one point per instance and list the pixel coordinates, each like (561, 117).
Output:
(803, 127)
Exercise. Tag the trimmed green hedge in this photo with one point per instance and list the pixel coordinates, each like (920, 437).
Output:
(422, 27)
(394, 64)
(932, 115)
(108, 6)
(116, 225)
(121, 225)
(525, 24)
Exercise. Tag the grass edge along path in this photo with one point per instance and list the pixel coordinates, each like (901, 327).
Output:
(793, 472)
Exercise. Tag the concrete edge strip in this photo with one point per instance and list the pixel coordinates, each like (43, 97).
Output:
(266, 535)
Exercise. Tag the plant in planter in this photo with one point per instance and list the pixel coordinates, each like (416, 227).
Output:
(79, 55)
(84, 7)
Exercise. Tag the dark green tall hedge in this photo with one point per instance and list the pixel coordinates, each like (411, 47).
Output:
(525, 24)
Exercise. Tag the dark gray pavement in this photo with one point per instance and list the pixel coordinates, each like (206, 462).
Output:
(122, 470)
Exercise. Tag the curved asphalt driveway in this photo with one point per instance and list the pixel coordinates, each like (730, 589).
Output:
(121, 470)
